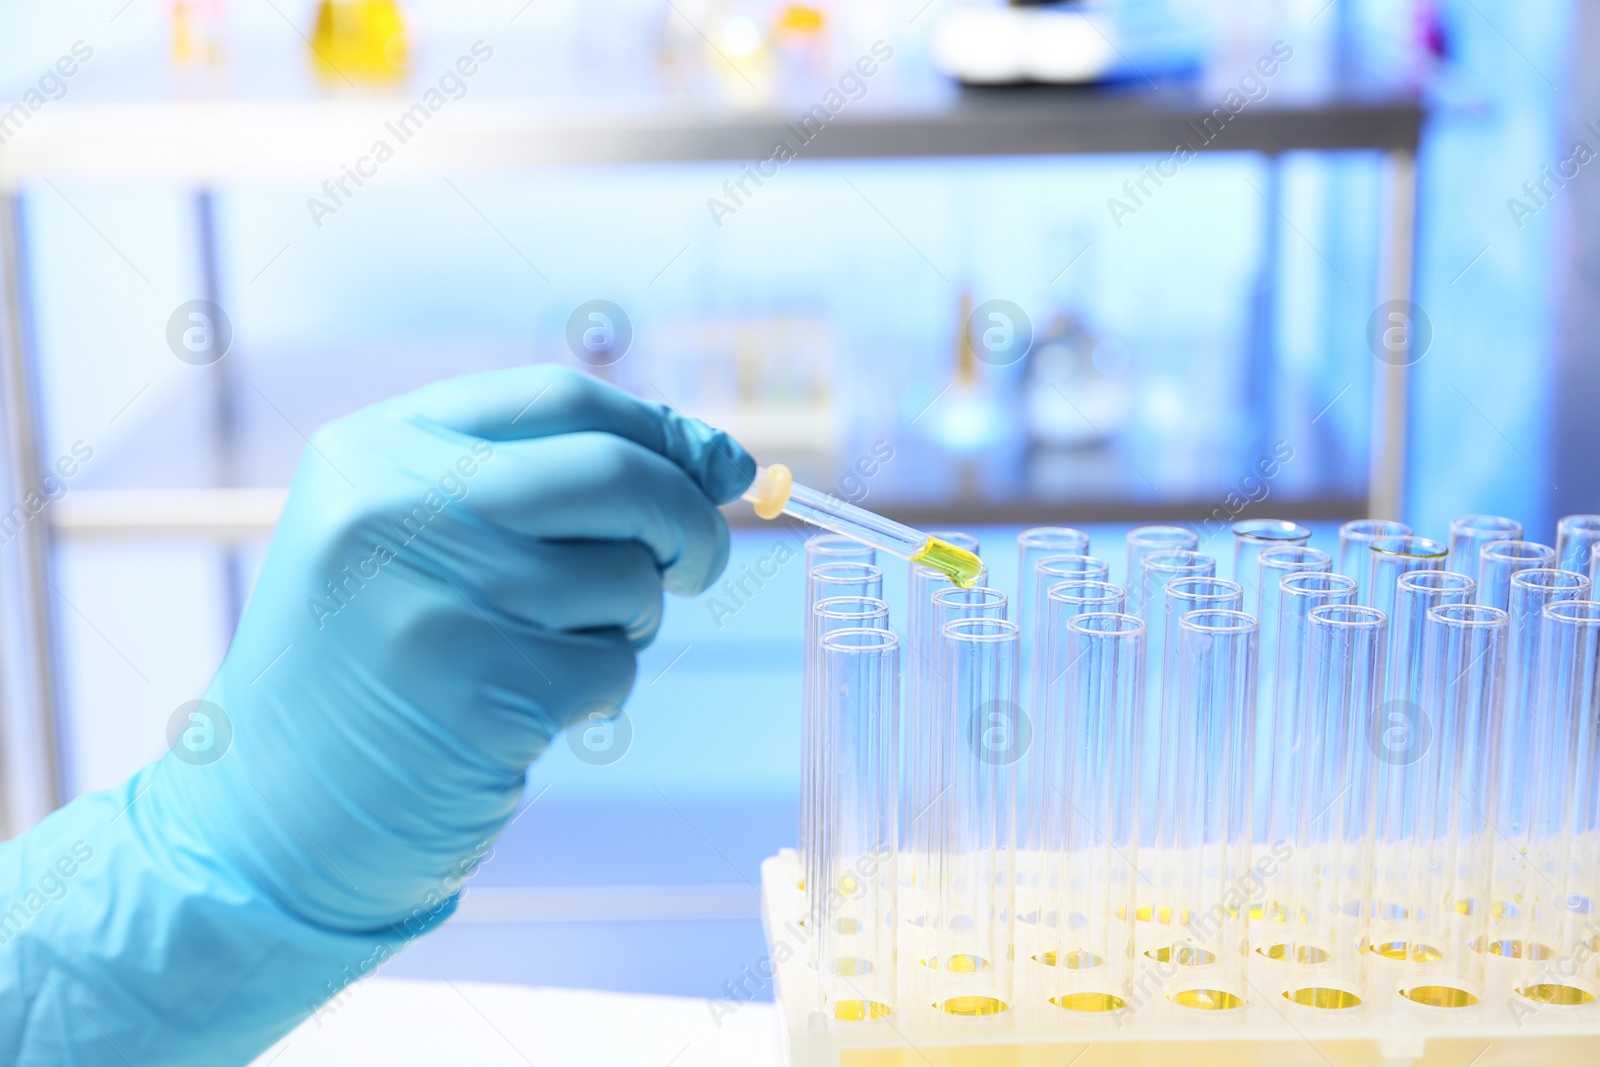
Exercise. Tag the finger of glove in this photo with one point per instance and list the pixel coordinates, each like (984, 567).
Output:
(546, 400)
(597, 487)
(566, 585)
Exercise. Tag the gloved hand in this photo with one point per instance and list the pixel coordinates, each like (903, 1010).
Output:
(459, 574)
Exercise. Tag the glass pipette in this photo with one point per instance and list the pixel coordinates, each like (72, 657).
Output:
(775, 492)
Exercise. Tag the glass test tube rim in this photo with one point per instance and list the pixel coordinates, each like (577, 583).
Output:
(1359, 615)
(834, 544)
(1217, 588)
(1324, 582)
(1411, 546)
(1425, 582)
(1179, 559)
(1294, 554)
(1219, 621)
(1050, 537)
(883, 639)
(830, 607)
(1485, 524)
(1563, 610)
(1107, 624)
(1058, 593)
(980, 596)
(1045, 564)
(967, 629)
(1147, 536)
(1511, 550)
(1471, 615)
(955, 537)
(1272, 530)
(1364, 529)
(1550, 579)
(824, 571)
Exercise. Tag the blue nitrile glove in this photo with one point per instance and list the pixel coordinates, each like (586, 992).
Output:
(459, 574)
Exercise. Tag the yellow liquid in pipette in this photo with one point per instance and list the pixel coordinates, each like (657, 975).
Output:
(956, 564)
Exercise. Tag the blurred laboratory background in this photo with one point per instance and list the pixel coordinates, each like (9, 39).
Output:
(1312, 259)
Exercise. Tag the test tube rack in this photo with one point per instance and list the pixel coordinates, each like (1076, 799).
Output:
(1271, 1021)
(1269, 1031)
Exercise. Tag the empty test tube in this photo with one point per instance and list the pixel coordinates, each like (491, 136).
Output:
(1250, 538)
(1499, 560)
(976, 741)
(1449, 906)
(1046, 767)
(1576, 538)
(1404, 730)
(1158, 762)
(828, 614)
(1093, 889)
(774, 492)
(1142, 541)
(1330, 892)
(1525, 742)
(1390, 557)
(833, 577)
(1355, 545)
(1272, 564)
(1551, 924)
(1298, 594)
(1159, 568)
(1468, 535)
(1035, 544)
(1204, 954)
(853, 909)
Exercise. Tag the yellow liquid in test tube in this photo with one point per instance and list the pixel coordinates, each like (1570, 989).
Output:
(775, 492)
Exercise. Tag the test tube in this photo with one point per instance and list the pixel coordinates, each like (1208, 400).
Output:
(923, 678)
(1158, 761)
(1576, 538)
(1464, 677)
(1499, 560)
(1250, 538)
(1049, 571)
(1355, 545)
(1468, 535)
(949, 604)
(1143, 540)
(1045, 772)
(1210, 811)
(1272, 564)
(1159, 568)
(1552, 928)
(976, 741)
(1404, 731)
(1523, 756)
(1298, 594)
(1389, 558)
(852, 908)
(1033, 545)
(829, 614)
(1330, 898)
(1094, 891)
(835, 575)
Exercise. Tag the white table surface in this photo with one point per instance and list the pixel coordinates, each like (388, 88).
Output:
(398, 1023)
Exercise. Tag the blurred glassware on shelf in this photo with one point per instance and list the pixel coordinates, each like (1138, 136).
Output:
(360, 39)
(198, 32)
(969, 417)
(1071, 372)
